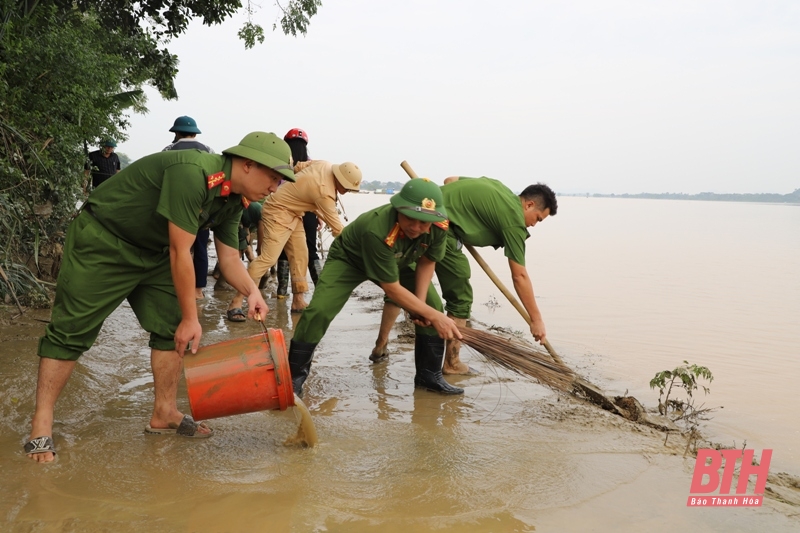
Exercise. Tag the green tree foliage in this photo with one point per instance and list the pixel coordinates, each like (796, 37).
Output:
(70, 71)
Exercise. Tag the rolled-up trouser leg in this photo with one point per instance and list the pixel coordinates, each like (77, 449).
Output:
(428, 358)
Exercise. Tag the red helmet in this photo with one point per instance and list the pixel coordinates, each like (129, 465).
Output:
(296, 133)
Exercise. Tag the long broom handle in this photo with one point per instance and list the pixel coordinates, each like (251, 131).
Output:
(511, 298)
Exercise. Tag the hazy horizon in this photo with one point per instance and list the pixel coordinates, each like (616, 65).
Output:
(600, 97)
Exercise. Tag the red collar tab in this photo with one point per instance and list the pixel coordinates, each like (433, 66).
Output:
(226, 189)
(215, 179)
(245, 202)
(394, 234)
(444, 224)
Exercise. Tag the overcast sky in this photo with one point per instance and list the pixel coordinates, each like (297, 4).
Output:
(606, 96)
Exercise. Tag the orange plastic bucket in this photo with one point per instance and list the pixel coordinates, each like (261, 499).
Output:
(239, 376)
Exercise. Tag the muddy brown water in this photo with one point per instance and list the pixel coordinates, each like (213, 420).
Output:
(509, 455)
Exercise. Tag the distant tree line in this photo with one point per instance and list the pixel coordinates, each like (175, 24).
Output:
(381, 185)
(791, 198)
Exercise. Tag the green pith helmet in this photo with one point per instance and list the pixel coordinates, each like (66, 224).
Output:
(348, 175)
(185, 124)
(110, 143)
(420, 199)
(267, 149)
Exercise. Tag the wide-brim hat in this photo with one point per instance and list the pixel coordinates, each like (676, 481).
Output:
(348, 175)
(185, 124)
(267, 149)
(420, 199)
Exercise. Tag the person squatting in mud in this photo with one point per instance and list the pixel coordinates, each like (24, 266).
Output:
(132, 241)
(482, 212)
(380, 246)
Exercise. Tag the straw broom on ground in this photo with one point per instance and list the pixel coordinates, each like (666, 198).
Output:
(519, 357)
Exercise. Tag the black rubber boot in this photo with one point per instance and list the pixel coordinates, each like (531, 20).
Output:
(300, 356)
(428, 357)
(283, 278)
(315, 268)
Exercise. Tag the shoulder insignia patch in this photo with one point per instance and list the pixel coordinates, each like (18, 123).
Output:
(394, 234)
(215, 179)
(444, 224)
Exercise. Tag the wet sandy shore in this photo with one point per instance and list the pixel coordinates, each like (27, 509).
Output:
(510, 455)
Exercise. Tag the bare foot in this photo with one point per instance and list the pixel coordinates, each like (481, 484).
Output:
(298, 304)
(198, 294)
(457, 368)
(380, 352)
(202, 427)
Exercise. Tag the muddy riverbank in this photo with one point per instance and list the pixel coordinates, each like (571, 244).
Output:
(510, 455)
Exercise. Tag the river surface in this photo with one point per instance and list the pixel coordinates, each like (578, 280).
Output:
(627, 288)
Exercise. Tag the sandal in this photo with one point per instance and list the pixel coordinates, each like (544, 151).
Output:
(187, 428)
(40, 445)
(236, 315)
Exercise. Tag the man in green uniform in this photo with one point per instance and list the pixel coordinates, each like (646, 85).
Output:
(380, 246)
(132, 241)
(482, 212)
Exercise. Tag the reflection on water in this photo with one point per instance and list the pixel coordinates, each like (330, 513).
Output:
(626, 288)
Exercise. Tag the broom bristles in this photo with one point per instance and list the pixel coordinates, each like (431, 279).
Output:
(518, 357)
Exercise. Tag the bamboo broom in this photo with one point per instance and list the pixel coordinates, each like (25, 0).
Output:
(518, 357)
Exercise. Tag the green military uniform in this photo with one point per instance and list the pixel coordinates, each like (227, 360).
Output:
(370, 248)
(375, 248)
(118, 247)
(482, 212)
(251, 216)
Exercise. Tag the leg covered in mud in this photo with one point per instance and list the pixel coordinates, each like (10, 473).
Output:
(388, 318)
(453, 364)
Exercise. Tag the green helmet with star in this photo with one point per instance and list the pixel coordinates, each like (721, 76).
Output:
(267, 149)
(420, 199)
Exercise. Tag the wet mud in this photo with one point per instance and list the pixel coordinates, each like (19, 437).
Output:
(508, 455)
